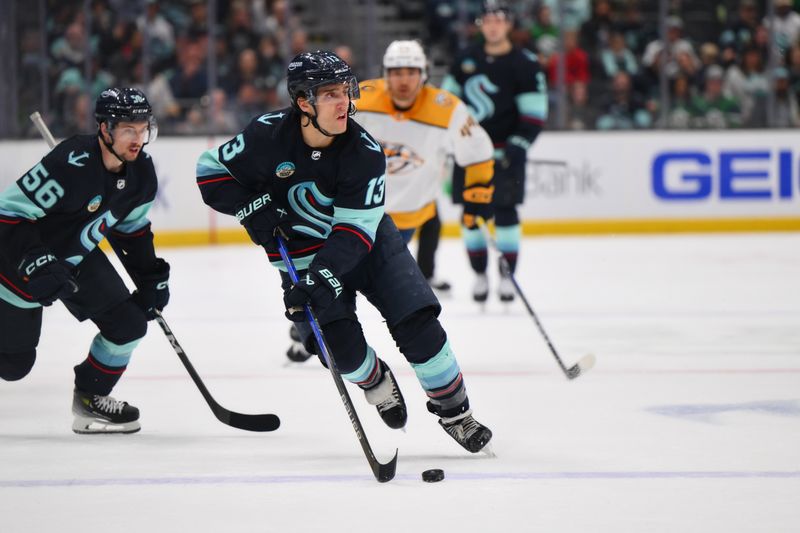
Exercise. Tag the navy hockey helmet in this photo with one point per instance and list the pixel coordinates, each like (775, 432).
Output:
(499, 7)
(125, 104)
(311, 70)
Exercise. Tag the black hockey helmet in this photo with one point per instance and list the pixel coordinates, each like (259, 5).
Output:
(310, 70)
(499, 7)
(125, 104)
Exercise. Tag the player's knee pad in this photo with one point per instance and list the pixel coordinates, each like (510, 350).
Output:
(506, 215)
(122, 324)
(346, 340)
(15, 366)
(419, 336)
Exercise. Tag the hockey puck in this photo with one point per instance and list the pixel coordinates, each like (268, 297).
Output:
(433, 475)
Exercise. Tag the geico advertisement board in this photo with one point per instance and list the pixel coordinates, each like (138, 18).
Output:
(592, 176)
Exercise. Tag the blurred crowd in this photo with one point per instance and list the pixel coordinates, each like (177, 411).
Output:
(718, 71)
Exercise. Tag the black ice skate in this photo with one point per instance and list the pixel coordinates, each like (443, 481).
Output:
(103, 414)
(297, 352)
(439, 285)
(387, 398)
(467, 431)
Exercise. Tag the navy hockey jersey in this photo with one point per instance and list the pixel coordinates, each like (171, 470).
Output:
(333, 196)
(68, 203)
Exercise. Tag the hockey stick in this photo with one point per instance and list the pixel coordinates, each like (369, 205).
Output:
(382, 472)
(238, 420)
(266, 422)
(586, 362)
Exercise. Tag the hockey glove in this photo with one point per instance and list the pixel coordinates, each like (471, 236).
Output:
(263, 219)
(152, 289)
(47, 279)
(317, 287)
(477, 203)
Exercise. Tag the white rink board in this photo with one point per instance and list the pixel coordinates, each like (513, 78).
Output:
(609, 175)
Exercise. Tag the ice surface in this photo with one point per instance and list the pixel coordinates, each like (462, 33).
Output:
(690, 421)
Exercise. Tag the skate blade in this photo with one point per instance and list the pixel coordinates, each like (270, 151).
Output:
(488, 451)
(93, 426)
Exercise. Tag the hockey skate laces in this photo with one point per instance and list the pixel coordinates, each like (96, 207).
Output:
(109, 404)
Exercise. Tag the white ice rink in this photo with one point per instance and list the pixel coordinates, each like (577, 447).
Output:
(690, 422)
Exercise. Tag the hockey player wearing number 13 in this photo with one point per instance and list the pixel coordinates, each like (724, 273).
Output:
(313, 175)
(52, 219)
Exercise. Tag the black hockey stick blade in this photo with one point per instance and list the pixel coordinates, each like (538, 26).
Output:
(385, 472)
(263, 422)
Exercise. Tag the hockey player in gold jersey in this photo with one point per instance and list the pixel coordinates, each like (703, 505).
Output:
(419, 127)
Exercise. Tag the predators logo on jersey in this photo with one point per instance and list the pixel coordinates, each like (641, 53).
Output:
(401, 158)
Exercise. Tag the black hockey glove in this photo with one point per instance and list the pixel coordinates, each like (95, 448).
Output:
(263, 219)
(152, 288)
(47, 279)
(318, 287)
(477, 203)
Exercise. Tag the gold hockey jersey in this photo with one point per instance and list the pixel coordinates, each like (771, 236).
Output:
(417, 143)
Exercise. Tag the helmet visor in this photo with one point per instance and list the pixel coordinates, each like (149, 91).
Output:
(350, 87)
(143, 131)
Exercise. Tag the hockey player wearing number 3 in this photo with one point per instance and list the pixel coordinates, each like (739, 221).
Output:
(52, 219)
(314, 176)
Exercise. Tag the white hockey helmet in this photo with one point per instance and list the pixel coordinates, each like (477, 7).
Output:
(409, 54)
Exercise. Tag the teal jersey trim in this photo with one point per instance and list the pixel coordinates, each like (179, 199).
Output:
(450, 84)
(366, 220)
(11, 298)
(110, 353)
(208, 164)
(14, 203)
(301, 263)
(363, 372)
(533, 105)
(439, 371)
(136, 220)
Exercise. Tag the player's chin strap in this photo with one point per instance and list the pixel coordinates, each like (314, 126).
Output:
(351, 110)
(109, 146)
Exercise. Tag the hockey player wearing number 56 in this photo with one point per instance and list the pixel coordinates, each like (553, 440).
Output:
(419, 127)
(314, 176)
(506, 91)
(52, 219)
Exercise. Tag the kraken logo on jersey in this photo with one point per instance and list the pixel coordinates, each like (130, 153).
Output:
(301, 197)
(476, 91)
(95, 231)
(400, 158)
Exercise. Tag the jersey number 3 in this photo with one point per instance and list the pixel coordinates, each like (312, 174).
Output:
(230, 149)
(45, 192)
(375, 191)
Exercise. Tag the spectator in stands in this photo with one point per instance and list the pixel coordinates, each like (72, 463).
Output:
(580, 115)
(577, 62)
(624, 109)
(596, 32)
(631, 24)
(748, 84)
(544, 31)
(792, 61)
(657, 55)
(69, 50)
(740, 33)
(617, 57)
(239, 28)
(159, 33)
(679, 115)
(787, 114)
(271, 64)
(787, 24)
(190, 80)
(712, 109)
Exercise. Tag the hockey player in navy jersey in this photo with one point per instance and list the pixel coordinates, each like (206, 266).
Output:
(88, 188)
(505, 89)
(310, 173)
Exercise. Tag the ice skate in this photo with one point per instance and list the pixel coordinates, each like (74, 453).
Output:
(467, 431)
(103, 414)
(480, 290)
(505, 289)
(297, 352)
(388, 400)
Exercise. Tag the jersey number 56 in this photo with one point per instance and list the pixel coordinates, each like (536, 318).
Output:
(45, 192)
